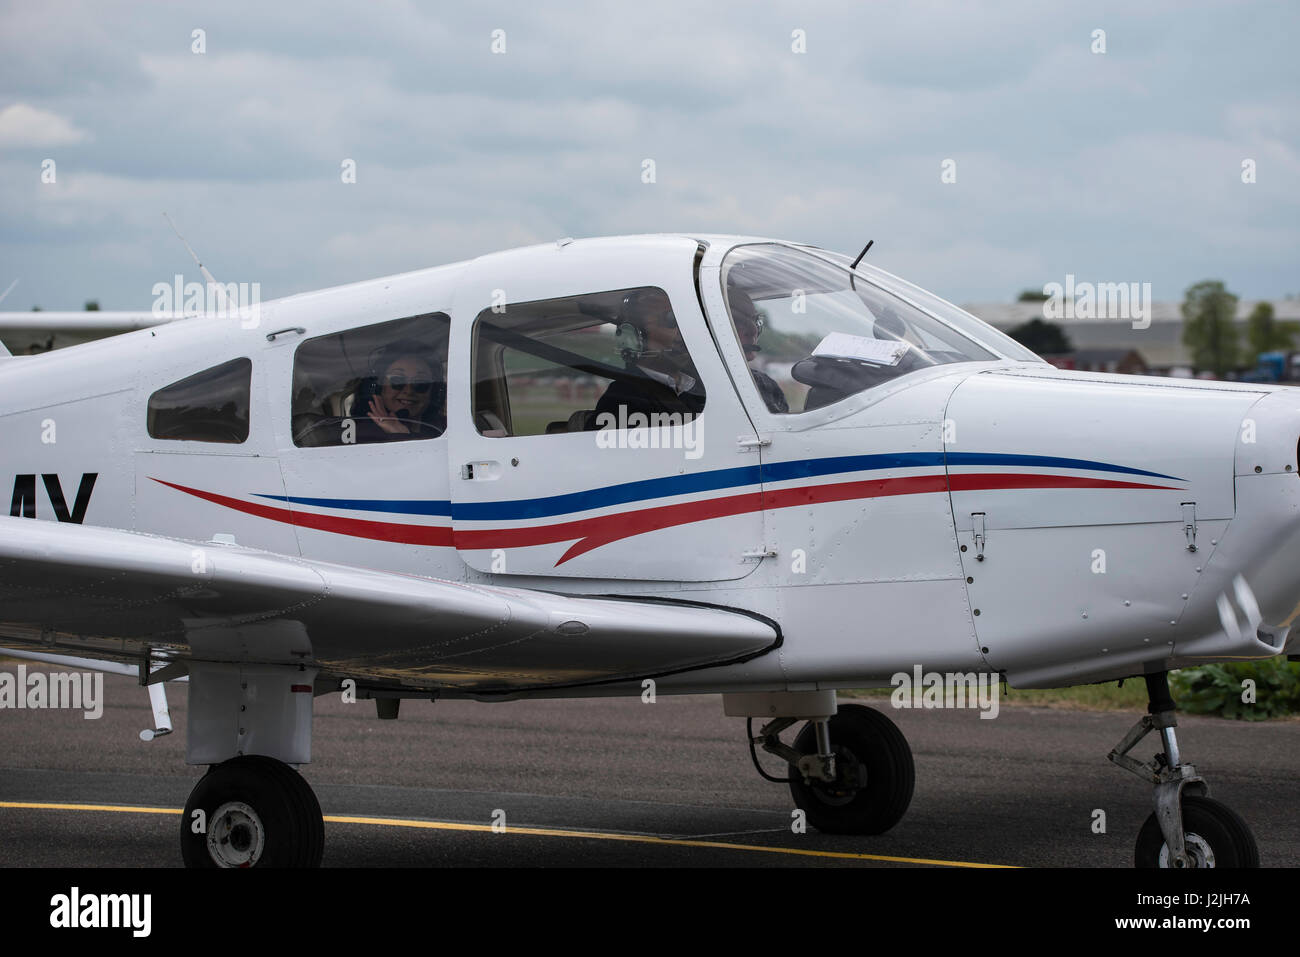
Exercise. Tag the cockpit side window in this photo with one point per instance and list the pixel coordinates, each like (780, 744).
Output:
(592, 361)
(209, 406)
(379, 383)
(814, 333)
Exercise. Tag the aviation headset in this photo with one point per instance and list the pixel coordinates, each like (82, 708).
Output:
(629, 334)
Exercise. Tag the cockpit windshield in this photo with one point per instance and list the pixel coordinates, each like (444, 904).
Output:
(814, 332)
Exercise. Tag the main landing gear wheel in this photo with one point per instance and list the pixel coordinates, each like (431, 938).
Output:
(1214, 835)
(874, 774)
(257, 812)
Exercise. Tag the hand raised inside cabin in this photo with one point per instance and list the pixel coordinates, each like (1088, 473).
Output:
(383, 417)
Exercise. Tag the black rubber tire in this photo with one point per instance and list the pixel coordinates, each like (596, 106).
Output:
(307, 806)
(1218, 825)
(282, 800)
(874, 742)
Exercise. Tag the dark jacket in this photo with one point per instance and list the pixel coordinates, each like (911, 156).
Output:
(647, 396)
(772, 395)
(368, 430)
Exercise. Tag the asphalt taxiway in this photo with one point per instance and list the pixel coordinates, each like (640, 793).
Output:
(622, 783)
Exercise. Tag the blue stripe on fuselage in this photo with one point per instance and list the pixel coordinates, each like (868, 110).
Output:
(709, 481)
(1046, 461)
(397, 506)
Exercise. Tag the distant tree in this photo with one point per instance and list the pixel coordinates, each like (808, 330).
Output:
(1032, 295)
(1042, 337)
(36, 308)
(92, 305)
(1265, 334)
(1209, 329)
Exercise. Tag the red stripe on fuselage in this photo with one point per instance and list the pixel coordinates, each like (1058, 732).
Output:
(601, 531)
(594, 532)
(357, 528)
(975, 481)
(591, 533)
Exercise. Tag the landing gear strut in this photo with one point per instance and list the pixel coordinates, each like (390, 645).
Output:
(252, 811)
(1188, 828)
(851, 774)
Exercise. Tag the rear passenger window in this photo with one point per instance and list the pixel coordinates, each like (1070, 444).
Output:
(209, 406)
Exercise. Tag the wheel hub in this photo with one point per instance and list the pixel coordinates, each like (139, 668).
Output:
(850, 777)
(236, 836)
(1198, 849)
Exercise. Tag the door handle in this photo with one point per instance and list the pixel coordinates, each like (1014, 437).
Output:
(480, 471)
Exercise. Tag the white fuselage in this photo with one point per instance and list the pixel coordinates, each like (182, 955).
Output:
(978, 516)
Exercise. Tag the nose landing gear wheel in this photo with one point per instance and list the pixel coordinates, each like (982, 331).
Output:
(1215, 836)
(256, 812)
(875, 774)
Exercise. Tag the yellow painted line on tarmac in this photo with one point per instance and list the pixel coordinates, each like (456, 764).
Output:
(647, 839)
(537, 832)
(123, 808)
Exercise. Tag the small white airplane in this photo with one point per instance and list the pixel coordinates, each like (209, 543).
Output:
(691, 464)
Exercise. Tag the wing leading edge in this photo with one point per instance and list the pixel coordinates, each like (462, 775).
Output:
(115, 595)
(25, 332)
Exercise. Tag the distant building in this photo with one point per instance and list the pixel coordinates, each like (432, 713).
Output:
(1160, 345)
(1122, 361)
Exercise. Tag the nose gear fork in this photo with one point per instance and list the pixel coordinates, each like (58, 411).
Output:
(1165, 771)
(819, 766)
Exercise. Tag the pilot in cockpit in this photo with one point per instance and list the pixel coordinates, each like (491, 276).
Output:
(749, 326)
(661, 377)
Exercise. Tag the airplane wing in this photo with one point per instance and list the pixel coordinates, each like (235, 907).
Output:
(25, 332)
(130, 597)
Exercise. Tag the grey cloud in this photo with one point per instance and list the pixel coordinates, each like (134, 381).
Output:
(1066, 160)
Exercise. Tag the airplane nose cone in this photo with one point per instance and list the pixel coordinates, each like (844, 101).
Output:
(1253, 574)
(1190, 489)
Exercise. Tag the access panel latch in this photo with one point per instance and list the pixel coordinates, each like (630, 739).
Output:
(1189, 524)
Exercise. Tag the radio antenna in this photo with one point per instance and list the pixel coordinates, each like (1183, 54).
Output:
(202, 268)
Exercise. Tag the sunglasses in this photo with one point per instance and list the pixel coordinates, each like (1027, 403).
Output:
(398, 382)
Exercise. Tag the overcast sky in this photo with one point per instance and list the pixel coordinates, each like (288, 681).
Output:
(1122, 166)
